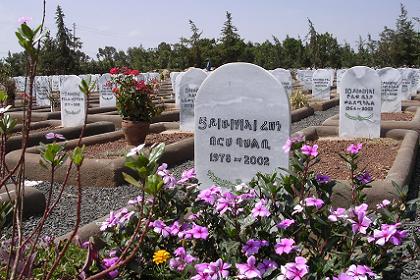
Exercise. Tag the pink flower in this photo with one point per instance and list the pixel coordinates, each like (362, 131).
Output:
(339, 213)
(285, 223)
(187, 175)
(292, 140)
(217, 269)
(52, 135)
(296, 270)
(360, 272)
(284, 246)
(354, 149)
(24, 20)
(383, 204)
(199, 232)
(313, 201)
(361, 224)
(260, 209)
(160, 228)
(249, 269)
(310, 151)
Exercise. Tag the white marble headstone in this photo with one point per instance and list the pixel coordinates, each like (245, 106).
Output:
(390, 89)
(242, 120)
(73, 102)
(177, 88)
(42, 91)
(321, 84)
(106, 96)
(188, 87)
(285, 78)
(360, 103)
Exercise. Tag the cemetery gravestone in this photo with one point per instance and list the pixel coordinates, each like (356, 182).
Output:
(73, 102)
(188, 87)
(177, 88)
(390, 89)
(321, 84)
(360, 103)
(106, 96)
(242, 120)
(285, 78)
(42, 91)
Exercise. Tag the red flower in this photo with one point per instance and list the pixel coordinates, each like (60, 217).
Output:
(140, 86)
(134, 72)
(114, 70)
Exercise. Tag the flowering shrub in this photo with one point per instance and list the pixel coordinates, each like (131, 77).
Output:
(134, 98)
(279, 226)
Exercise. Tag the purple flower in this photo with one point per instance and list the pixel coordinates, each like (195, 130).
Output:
(24, 20)
(383, 204)
(364, 178)
(109, 262)
(267, 266)
(249, 269)
(322, 179)
(260, 209)
(296, 270)
(310, 151)
(160, 228)
(284, 246)
(252, 246)
(314, 202)
(360, 272)
(168, 179)
(339, 213)
(187, 175)
(285, 223)
(52, 135)
(354, 149)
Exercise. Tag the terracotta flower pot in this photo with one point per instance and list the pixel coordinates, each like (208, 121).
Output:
(135, 131)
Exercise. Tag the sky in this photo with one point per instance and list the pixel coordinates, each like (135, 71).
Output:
(129, 23)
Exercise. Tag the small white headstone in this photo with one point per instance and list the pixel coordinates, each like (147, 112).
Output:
(285, 78)
(390, 89)
(321, 84)
(42, 91)
(242, 120)
(360, 103)
(106, 96)
(73, 102)
(189, 85)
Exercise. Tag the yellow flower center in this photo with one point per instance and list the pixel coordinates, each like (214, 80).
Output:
(161, 256)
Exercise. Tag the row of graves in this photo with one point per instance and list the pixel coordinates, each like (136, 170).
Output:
(47, 89)
(233, 122)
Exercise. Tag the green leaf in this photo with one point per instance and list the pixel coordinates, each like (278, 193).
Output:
(157, 152)
(129, 179)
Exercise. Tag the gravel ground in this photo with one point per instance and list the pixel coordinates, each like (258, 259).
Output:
(98, 202)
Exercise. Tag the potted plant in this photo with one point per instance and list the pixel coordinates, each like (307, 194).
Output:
(134, 104)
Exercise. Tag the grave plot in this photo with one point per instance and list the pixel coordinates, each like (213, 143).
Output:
(105, 155)
(396, 165)
(40, 129)
(407, 119)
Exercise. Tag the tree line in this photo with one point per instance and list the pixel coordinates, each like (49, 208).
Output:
(62, 54)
